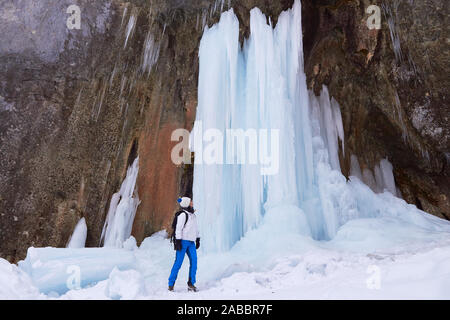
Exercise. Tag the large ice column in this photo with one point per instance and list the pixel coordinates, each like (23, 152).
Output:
(275, 82)
(329, 125)
(218, 206)
(122, 210)
(290, 27)
(332, 203)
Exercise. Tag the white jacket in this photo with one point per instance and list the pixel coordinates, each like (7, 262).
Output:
(190, 230)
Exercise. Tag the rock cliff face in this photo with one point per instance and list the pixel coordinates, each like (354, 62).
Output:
(77, 106)
(392, 86)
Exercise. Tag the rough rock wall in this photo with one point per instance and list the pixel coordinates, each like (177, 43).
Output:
(57, 148)
(392, 86)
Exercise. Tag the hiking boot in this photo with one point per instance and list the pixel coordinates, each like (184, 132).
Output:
(191, 287)
(170, 288)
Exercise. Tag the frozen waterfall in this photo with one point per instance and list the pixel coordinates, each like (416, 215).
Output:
(260, 89)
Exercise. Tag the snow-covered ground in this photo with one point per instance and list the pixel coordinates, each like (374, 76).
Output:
(411, 265)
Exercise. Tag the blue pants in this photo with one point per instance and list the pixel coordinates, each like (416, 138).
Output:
(187, 247)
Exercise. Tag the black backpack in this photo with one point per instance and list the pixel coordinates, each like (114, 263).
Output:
(174, 224)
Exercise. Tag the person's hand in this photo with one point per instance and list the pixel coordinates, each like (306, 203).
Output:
(197, 243)
(178, 244)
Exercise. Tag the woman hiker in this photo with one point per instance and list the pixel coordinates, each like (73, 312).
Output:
(186, 241)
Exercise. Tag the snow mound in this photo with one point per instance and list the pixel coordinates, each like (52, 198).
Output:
(125, 285)
(15, 283)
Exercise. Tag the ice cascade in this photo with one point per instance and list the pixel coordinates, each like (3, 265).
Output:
(259, 86)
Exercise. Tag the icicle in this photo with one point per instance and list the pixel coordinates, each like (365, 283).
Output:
(388, 176)
(78, 238)
(355, 169)
(113, 73)
(123, 15)
(122, 209)
(99, 108)
(393, 30)
(150, 53)
(130, 28)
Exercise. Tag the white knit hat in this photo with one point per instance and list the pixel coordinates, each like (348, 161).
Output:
(184, 202)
